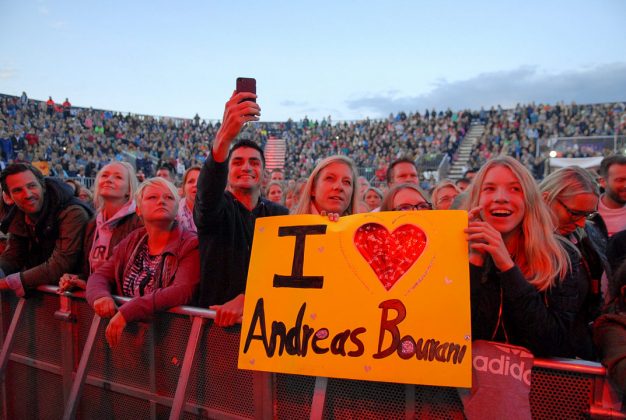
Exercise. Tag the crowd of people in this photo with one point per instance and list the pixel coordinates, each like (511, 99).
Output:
(547, 260)
(519, 132)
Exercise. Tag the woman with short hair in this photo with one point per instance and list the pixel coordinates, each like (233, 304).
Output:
(444, 194)
(158, 266)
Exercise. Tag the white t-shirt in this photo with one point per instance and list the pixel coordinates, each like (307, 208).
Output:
(614, 219)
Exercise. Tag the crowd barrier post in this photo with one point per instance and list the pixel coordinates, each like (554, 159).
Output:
(319, 398)
(183, 379)
(81, 373)
(65, 315)
(9, 340)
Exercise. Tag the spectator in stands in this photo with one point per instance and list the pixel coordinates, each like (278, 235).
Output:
(74, 185)
(404, 197)
(115, 219)
(463, 183)
(470, 174)
(363, 185)
(277, 175)
(50, 106)
(289, 197)
(609, 332)
(157, 265)
(572, 194)
(331, 188)
(444, 194)
(185, 207)
(85, 195)
(523, 284)
(275, 192)
(67, 108)
(612, 206)
(165, 171)
(227, 203)
(402, 171)
(373, 198)
(46, 229)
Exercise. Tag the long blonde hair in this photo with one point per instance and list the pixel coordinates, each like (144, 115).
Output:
(540, 255)
(304, 205)
(132, 183)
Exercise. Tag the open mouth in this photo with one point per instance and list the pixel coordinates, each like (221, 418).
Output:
(500, 213)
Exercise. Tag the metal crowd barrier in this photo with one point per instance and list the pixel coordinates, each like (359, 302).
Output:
(55, 364)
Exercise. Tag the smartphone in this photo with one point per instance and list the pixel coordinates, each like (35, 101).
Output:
(246, 84)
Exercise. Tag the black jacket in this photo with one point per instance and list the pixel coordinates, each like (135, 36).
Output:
(539, 321)
(225, 230)
(55, 244)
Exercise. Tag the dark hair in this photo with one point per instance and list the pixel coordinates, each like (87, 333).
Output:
(470, 171)
(16, 168)
(466, 180)
(247, 143)
(609, 161)
(76, 186)
(394, 163)
(167, 167)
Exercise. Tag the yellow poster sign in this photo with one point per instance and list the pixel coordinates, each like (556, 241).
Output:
(375, 296)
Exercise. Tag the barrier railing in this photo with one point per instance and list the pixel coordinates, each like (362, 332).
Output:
(55, 363)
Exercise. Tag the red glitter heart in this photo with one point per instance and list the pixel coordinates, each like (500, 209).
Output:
(390, 254)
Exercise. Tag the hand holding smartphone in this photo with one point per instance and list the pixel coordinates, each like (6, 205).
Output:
(246, 84)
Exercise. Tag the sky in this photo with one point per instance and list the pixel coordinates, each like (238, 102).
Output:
(345, 59)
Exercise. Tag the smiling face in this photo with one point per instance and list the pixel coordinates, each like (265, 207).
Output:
(26, 192)
(245, 169)
(113, 182)
(332, 190)
(502, 199)
(615, 184)
(571, 211)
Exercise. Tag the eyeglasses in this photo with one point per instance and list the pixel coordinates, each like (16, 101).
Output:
(444, 199)
(424, 205)
(577, 214)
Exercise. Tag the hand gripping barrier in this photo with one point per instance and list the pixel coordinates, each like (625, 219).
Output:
(55, 364)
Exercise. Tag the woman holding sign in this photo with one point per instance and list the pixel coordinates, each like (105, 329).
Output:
(331, 188)
(523, 280)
